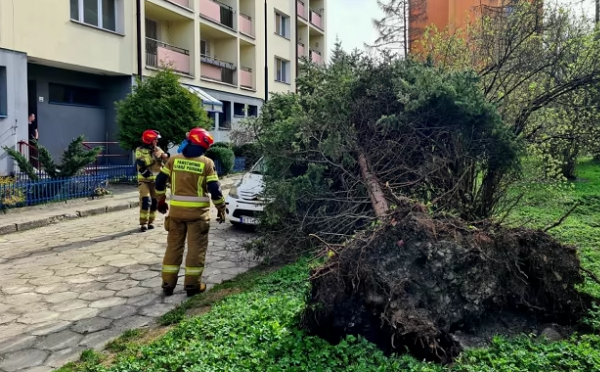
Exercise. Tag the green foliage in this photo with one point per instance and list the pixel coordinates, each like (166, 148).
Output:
(224, 155)
(159, 102)
(23, 163)
(225, 145)
(74, 159)
(425, 133)
(250, 151)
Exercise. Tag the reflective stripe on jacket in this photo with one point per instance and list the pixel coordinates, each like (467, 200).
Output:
(146, 155)
(190, 198)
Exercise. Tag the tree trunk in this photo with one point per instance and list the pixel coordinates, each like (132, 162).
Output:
(380, 205)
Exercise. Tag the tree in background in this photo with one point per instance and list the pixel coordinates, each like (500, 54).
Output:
(401, 25)
(161, 103)
(537, 63)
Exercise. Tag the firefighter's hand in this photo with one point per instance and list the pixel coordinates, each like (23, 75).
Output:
(221, 215)
(162, 206)
(147, 173)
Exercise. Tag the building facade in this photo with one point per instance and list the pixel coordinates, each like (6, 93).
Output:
(69, 61)
(449, 14)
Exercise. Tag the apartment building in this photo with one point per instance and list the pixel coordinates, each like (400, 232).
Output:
(68, 61)
(449, 14)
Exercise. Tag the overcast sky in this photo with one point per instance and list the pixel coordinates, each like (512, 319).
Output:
(352, 20)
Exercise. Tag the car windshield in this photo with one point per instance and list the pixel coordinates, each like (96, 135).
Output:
(259, 167)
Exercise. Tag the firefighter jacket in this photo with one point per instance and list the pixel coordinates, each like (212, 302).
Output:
(147, 163)
(193, 181)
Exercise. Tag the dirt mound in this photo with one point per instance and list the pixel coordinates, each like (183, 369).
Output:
(411, 284)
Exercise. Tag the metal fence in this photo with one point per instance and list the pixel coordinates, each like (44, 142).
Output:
(20, 192)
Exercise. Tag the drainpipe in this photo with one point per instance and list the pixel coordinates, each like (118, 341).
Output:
(139, 37)
(266, 57)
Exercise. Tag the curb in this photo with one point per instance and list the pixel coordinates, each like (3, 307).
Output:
(92, 211)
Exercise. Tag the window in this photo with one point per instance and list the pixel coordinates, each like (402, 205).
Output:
(72, 95)
(3, 92)
(205, 48)
(252, 111)
(282, 25)
(99, 13)
(239, 110)
(283, 70)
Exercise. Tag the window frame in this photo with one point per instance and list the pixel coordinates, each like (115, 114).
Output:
(73, 92)
(285, 67)
(100, 15)
(284, 25)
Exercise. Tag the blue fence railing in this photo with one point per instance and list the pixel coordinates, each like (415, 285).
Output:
(21, 192)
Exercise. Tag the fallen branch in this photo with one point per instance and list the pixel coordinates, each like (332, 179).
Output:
(563, 218)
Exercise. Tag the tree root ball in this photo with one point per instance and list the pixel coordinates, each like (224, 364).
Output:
(413, 283)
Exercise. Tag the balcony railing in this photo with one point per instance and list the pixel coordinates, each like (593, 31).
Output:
(300, 49)
(315, 56)
(246, 78)
(301, 8)
(316, 19)
(214, 69)
(159, 53)
(184, 3)
(217, 11)
(245, 25)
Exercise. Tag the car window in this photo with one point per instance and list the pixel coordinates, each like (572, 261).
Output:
(259, 167)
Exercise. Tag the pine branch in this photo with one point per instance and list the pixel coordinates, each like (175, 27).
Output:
(23, 163)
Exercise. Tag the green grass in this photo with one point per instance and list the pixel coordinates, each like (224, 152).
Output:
(252, 322)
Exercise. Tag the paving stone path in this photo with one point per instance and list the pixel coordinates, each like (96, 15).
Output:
(76, 285)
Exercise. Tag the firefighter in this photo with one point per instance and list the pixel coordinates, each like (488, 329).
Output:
(193, 178)
(149, 160)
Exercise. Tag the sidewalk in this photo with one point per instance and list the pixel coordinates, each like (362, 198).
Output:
(123, 197)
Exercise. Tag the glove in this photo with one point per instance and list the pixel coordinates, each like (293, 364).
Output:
(146, 173)
(162, 206)
(221, 215)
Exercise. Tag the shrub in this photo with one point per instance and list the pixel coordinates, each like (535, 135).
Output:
(225, 156)
(221, 145)
(10, 195)
(250, 151)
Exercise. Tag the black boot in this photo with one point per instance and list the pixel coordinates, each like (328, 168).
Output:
(168, 291)
(192, 291)
(150, 226)
(143, 228)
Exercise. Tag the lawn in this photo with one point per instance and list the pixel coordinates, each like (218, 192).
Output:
(250, 324)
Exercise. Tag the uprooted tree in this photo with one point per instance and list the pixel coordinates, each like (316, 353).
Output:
(393, 169)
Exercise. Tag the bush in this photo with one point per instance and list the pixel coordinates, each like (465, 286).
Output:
(225, 156)
(224, 145)
(10, 195)
(250, 151)
(159, 102)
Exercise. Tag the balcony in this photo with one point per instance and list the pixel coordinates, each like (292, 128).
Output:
(301, 8)
(245, 25)
(183, 3)
(301, 50)
(159, 54)
(246, 79)
(214, 69)
(316, 19)
(315, 56)
(217, 12)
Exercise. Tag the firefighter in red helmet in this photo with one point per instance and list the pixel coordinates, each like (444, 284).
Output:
(149, 160)
(194, 183)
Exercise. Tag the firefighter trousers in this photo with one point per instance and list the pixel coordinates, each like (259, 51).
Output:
(148, 202)
(197, 238)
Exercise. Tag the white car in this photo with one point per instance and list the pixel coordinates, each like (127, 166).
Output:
(244, 202)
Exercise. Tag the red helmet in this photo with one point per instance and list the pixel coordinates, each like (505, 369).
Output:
(201, 137)
(149, 136)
